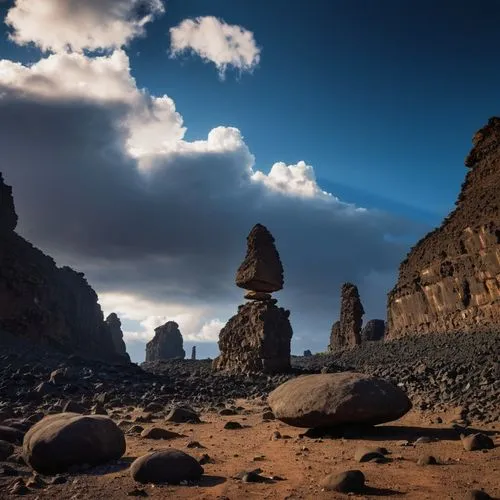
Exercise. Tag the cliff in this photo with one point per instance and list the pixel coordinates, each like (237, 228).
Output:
(450, 281)
(42, 303)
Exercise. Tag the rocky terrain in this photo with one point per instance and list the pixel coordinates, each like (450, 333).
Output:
(44, 303)
(450, 281)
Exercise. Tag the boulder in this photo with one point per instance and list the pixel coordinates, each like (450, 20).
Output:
(261, 270)
(61, 441)
(166, 466)
(332, 399)
(166, 344)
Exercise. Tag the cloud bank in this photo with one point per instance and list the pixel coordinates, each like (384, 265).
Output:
(215, 41)
(105, 181)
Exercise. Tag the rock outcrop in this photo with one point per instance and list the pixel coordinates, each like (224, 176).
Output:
(115, 329)
(257, 339)
(346, 332)
(373, 330)
(450, 281)
(193, 353)
(166, 344)
(42, 303)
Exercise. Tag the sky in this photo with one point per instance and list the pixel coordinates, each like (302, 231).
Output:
(144, 139)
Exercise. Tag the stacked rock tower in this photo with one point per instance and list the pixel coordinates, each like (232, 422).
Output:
(257, 339)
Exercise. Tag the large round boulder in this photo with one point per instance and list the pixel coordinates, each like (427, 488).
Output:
(63, 440)
(332, 399)
(166, 466)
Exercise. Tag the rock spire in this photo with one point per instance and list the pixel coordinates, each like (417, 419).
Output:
(166, 344)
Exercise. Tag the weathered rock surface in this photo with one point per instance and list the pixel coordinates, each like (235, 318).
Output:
(333, 399)
(374, 330)
(43, 303)
(166, 466)
(61, 441)
(346, 332)
(256, 340)
(166, 344)
(115, 329)
(261, 271)
(450, 280)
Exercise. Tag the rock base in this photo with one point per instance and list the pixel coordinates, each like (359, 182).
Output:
(256, 340)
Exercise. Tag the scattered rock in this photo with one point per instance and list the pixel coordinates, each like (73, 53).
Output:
(61, 441)
(478, 441)
(427, 460)
(364, 454)
(183, 415)
(333, 399)
(351, 481)
(232, 425)
(166, 466)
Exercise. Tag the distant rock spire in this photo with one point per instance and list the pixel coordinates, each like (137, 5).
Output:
(8, 216)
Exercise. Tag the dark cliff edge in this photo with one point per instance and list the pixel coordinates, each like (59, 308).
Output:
(44, 304)
(450, 280)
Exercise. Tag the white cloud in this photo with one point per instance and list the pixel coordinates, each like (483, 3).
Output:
(215, 41)
(60, 25)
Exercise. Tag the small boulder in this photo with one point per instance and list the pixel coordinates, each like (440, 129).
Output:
(478, 441)
(363, 454)
(61, 441)
(183, 415)
(351, 481)
(332, 399)
(166, 466)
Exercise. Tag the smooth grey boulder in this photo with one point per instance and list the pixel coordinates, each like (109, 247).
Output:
(332, 399)
(63, 440)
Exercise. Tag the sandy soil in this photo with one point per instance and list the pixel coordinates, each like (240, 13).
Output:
(300, 462)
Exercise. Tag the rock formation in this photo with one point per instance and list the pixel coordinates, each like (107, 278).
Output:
(307, 353)
(166, 344)
(450, 281)
(373, 330)
(257, 339)
(346, 332)
(193, 353)
(115, 329)
(42, 303)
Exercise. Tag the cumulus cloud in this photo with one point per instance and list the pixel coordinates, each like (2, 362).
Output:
(225, 45)
(60, 25)
(105, 181)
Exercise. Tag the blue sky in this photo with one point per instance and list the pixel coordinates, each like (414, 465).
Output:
(380, 98)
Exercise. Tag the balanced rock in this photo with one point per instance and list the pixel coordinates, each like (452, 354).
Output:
(115, 329)
(346, 332)
(449, 283)
(166, 466)
(332, 399)
(166, 344)
(61, 441)
(374, 330)
(261, 271)
(256, 340)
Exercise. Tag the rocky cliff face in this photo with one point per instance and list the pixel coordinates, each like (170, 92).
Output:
(450, 281)
(166, 344)
(43, 303)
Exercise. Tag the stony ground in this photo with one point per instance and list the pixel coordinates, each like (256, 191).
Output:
(298, 464)
(450, 379)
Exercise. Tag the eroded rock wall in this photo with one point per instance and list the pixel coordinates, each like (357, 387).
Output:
(43, 303)
(450, 281)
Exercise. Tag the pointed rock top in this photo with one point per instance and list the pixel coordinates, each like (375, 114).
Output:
(8, 216)
(261, 271)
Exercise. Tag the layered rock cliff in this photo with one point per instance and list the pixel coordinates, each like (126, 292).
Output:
(450, 281)
(42, 303)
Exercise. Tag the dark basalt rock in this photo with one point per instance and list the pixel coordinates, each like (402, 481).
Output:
(374, 330)
(449, 281)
